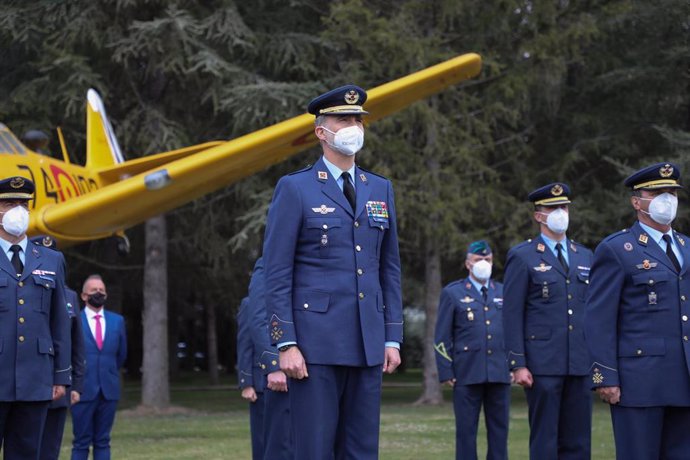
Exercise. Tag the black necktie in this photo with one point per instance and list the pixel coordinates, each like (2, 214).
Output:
(669, 252)
(561, 259)
(348, 189)
(16, 261)
(484, 293)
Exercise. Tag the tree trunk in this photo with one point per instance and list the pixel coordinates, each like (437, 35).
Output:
(211, 341)
(155, 389)
(431, 392)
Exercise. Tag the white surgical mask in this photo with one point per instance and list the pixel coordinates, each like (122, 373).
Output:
(347, 141)
(16, 221)
(557, 221)
(662, 208)
(482, 270)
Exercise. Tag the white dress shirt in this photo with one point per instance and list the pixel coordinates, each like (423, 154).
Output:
(91, 316)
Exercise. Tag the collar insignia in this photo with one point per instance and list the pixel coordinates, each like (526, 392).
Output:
(323, 209)
(643, 239)
(363, 177)
(35, 251)
(572, 247)
(681, 240)
(540, 247)
(468, 285)
(323, 175)
(543, 268)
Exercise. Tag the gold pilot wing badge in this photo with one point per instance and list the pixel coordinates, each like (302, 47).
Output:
(542, 267)
(323, 209)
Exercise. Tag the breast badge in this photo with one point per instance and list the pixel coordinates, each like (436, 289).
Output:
(652, 298)
(545, 291)
(542, 267)
(470, 315)
(646, 265)
(323, 209)
(377, 210)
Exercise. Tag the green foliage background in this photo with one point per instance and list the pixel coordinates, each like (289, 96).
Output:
(583, 92)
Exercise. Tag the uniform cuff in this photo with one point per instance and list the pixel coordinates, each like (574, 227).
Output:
(394, 332)
(603, 376)
(269, 362)
(516, 360)
(245, 380)
(281, 331)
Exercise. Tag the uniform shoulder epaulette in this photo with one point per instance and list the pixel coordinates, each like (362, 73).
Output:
(373, 173)
(620, 233)
(528, 242)
(453, 283)
(307, 168)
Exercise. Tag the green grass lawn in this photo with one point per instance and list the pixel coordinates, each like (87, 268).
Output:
(216, 426)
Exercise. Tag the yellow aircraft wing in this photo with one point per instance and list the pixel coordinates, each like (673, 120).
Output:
(128, 202)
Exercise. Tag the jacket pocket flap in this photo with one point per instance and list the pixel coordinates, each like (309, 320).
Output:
(538, 333)
(642, 347)
(468, 346)
(311, 301)
(543, 279)
(380, 222)
(651, 278)
(45, 346)
(3, 281)
(324, 223)
(44, 281)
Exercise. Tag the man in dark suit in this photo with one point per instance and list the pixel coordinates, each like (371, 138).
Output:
(544, 290)
(638, 323)
(54, 426)
(333, 291)
(34, 326)
(106, 350)
(471, 358)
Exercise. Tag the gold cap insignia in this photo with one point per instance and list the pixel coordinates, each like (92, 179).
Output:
(351, 97)
(557, 190)
(17, 182)
(666, 170)
(47, 241)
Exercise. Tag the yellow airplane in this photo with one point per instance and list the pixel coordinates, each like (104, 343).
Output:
(107, 195)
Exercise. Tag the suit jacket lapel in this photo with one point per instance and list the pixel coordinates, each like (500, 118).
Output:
(681, 242)
(330, 186)
(32, 260)
(549, 258)
(650, 247)
(86, 328)
(363, 191)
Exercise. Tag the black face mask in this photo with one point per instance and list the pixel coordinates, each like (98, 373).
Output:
(97, 299)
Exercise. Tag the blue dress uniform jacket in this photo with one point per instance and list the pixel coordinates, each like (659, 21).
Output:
(34, 327)
(267, 354)
(469, 336)
(249, 375)
(333, 276)
(544, 309)
(78, 351)
(637, 320)
(102, 366)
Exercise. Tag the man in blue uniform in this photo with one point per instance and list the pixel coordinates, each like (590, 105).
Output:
(250, 379)
(54, 426)
(470, 355)
(105, 341)
(545, 284)
(276, 429)
(637, 324)
(333, 287)
(34, 326)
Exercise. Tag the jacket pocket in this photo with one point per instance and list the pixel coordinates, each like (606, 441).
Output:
(45, 347)
(637, 348)
(315, 301)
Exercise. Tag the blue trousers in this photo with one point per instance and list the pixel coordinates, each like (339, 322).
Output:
(21, 428)
(335, 413)
(560, 418)
(92, 422)
(256, 426)
(277, 427)
(52, 433)
(644, 433)
(467, 402)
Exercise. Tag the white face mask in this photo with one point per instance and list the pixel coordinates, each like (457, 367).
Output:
(347, 141)
(662, 208)
(482, 270)
(16, 221)
(557, 221)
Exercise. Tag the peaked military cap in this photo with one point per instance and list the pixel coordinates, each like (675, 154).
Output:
(660, 175)
(45, 241)
(480, 248)
(346, 100)
(16, 188)
(550, 195)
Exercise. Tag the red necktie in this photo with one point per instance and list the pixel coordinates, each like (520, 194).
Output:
(99, 332)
